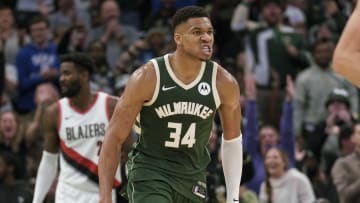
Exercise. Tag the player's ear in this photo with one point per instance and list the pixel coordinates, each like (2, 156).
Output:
(85, 74)
(177, 38)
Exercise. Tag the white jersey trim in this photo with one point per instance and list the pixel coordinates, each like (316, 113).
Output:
(137, 128)
(157, 86)
(179, 82)
(214, 88)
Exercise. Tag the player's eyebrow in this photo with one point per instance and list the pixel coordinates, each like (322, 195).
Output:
(196, 27)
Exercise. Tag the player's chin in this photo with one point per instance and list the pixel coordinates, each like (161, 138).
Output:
(64, 91)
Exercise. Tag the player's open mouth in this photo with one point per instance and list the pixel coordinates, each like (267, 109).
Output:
(206, 49)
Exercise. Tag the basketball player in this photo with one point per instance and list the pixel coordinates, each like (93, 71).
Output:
(75, 126)
(347, 53)
(174, 99)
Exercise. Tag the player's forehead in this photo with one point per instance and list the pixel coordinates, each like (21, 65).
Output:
(196, 23)
(68, 66)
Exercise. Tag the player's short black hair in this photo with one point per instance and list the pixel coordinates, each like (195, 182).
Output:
(183, 14)
(81, 60)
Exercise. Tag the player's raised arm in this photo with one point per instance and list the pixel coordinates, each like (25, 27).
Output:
(139, 89)
(231, 148)
(49, 160)
(346, 60)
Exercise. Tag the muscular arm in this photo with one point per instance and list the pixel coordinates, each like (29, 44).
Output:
(130, 139)
(50, 129)
(230, 113)
(231, 147)
(126, 110)
(48, 165)
(347, 53)
(111, 104)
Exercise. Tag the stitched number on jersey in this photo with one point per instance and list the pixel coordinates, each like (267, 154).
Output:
(99, 144)
(188, 139)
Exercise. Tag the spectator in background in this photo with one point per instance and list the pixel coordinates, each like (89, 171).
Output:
(322, 33)
(334, 17)
(27, 9)
(346, 173)
(3, 100)
(162, 16)
(283, 183)
(36, 63)
(73, 40)
(12, 38)
(313, 86)
(134, 12)
(279, 52)
(12, 190)
(103, 77)
(93, 8)
(120, 83)
(5, 83)
(294, 14)
(12, 139)
(242, 17)
(67, 15)
(302, 154)
(338, 109)
(329, 12)
(258, 140)
(45, 95)
(321, 183)
(154, 45)
(112, 33)
(338, 144)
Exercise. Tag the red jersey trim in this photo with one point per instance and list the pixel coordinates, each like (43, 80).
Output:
(72, 106)
(82, 164)
(58, 122)
(107, 103)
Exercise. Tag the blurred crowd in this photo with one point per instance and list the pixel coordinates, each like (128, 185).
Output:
(300, 130)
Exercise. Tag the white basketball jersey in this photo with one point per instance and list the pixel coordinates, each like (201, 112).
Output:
(81, 135)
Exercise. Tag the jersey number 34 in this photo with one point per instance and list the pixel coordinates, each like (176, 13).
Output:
(175, 136)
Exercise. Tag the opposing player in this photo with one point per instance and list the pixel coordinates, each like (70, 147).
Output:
(346, 59)
(174, 99)
(75, 126)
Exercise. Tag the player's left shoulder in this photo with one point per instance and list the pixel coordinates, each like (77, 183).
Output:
(111, 102)
(225, 81)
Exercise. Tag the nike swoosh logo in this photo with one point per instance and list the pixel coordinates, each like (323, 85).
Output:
(235, 200)
(68, 117)
(167, 88)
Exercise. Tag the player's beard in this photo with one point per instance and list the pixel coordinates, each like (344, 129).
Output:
(72, 90)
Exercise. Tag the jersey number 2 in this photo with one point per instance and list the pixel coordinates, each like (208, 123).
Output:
(188, 139)
(99, 144)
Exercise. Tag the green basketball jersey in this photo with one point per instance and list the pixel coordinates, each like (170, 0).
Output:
(175, 125)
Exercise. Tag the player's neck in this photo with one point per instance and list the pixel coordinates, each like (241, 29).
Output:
(83, 99)
(185, 68)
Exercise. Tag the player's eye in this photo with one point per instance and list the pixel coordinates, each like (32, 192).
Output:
(197, 32)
